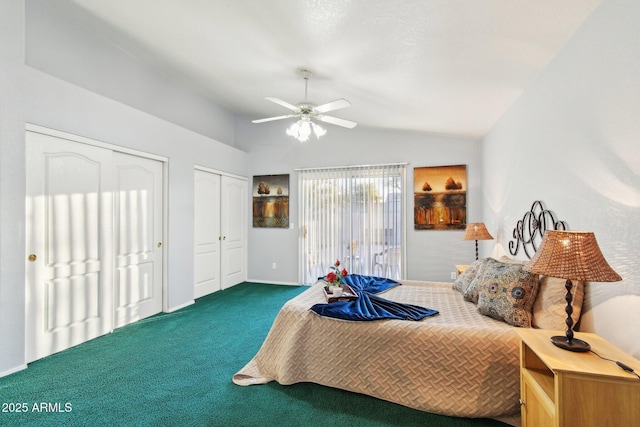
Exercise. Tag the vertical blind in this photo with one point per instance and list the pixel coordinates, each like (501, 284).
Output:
(355, 215)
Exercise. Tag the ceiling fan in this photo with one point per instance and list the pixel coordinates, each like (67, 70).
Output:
(306, 111)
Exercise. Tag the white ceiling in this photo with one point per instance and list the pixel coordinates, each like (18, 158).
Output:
(440, 66)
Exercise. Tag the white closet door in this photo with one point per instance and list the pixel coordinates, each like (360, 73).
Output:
(138, 237)
(68, 228)
(233, 216)
(207, 233)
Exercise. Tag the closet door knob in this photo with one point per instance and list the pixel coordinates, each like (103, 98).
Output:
(159, 244)
(32, 257)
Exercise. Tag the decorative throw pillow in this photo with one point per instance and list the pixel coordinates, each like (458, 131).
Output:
(507, 292)
(508, 260)
(471, 293)
(464, 280)
(549, 308)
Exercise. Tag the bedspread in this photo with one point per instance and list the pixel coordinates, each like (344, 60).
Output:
(459, 363)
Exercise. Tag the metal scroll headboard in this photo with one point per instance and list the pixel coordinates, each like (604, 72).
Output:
(530, 229)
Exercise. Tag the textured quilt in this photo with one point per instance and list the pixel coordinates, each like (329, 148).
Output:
(458, 363)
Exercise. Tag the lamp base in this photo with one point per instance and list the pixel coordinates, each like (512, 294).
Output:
(572, 345)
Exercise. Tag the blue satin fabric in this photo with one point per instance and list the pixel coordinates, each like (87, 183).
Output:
(369, 306)
(370, 284)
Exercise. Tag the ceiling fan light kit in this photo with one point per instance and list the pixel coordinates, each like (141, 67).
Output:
(305, 112)
(301, 130)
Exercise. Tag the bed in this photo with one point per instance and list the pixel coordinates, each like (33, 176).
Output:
(461, 362)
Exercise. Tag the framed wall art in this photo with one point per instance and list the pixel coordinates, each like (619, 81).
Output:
(440, 197)
(271, 201)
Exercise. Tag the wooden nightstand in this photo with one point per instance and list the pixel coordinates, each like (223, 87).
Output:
(563, 388)
(461, 268)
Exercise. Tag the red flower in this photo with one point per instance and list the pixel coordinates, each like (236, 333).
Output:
(335, 275)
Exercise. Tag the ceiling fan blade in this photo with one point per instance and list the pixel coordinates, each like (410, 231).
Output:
(270, 119)
(333, 105)
(336, 121)
(283, 103)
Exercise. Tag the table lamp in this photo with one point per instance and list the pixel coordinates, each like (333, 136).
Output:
(571, 255)
(476, 231)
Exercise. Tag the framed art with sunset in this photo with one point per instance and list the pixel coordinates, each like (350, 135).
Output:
(440, 197)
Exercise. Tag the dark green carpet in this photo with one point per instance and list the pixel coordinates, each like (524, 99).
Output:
(175, 370)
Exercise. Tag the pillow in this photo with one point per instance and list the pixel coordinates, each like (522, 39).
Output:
(463, 281)
(508, 260)
(548, 309)
(507, 292)
(471, 293)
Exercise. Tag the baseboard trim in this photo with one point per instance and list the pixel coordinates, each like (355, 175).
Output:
(272, 282)
(180, 307)
(13, 370)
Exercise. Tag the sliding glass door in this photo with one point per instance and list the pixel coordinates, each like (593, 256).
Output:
(355, 215)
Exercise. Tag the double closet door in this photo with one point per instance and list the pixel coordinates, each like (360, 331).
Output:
(220, 231)
(94, 224)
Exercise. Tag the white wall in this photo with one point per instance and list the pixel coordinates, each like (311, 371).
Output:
(69, 47)
(28, 95)
(12, 186)
(431, 255)
(572, 141)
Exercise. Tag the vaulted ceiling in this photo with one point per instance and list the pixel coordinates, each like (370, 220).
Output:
(439, 66)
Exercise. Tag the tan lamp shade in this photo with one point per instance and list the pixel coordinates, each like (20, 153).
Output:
(571, 255)
(476, 231)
